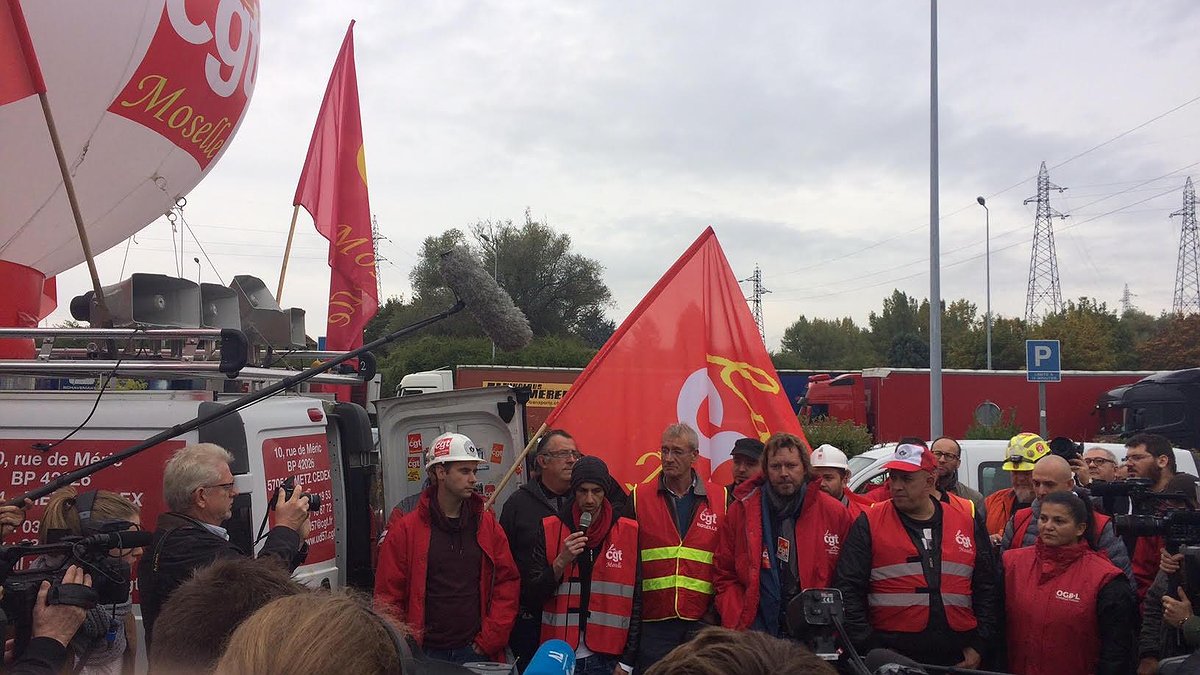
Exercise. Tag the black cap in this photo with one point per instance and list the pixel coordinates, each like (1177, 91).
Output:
(751, 448)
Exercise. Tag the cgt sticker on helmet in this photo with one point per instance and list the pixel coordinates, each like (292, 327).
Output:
(441, 447)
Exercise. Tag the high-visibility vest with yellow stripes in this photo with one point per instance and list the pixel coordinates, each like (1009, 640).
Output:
(898, 597)
(610, 590)
(677, 573)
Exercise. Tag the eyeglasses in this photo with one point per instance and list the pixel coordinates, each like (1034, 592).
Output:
(563, 454)
(944, 455)
(1097, 460)
(227, 486)
(673, 452)
(1136, 458)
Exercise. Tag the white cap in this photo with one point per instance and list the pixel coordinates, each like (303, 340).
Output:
(828, 457)
(451, 447)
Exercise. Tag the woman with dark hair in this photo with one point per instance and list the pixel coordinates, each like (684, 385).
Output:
(1056, 592)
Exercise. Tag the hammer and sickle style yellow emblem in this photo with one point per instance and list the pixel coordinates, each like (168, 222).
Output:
(757, 377)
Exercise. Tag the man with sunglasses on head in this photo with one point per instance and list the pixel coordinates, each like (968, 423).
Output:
(199, 489)
(554, 459)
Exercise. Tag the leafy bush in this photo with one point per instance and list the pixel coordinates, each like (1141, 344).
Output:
(850, 438)
(1004, 429)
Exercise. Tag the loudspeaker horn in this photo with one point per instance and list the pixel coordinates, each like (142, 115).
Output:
(146, 301)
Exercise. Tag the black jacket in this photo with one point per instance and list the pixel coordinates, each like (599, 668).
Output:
(543, 584)
(181, 545)
(521, 519)
(43, 656)
(938, 642)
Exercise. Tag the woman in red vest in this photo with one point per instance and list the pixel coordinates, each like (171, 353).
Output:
(1056, 592)
(589, 575)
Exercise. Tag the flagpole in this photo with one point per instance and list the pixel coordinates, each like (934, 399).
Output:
(39, 85)
(515, 466)
(287, 252)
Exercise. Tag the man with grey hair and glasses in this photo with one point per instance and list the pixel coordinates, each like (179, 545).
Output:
(199, 490)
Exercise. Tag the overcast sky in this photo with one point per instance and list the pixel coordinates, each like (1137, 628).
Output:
(799, 131)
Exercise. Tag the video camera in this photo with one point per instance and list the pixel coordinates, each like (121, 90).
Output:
(110, 574)
(1178, 525)
(1066, 448)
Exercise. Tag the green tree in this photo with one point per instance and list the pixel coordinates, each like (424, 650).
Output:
(908, 350)
(836, 344)
(1087, 330)
(1174, 346)
(560, 291)
(900, 316)
(1134, 328)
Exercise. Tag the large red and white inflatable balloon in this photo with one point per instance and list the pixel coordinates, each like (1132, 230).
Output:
(146, 95)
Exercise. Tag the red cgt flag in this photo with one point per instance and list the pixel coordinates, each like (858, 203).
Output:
(333, 189)
(690, 352)
(20, 75)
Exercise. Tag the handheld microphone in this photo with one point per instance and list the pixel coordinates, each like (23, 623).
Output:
(126, 539)
(585, 521)
(888, 662)
(554, 657)
(493, 308)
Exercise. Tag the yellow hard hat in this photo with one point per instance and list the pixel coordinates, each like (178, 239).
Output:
(1024, 450)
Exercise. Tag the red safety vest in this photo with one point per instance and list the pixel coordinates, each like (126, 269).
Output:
(610, 599)
(677, 574)
(1052, 626)
(898, 597)
(1023, 520)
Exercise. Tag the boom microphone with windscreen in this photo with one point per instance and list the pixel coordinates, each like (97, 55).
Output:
(503, 322)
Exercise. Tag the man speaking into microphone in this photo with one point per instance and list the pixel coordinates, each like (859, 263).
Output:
(588, 574)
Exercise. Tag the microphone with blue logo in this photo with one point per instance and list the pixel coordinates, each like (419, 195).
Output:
(554, 657)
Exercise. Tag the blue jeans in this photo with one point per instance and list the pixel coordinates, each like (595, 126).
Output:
(460, 656)
(596, 664)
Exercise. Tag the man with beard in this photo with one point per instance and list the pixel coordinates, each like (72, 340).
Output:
(915, 575)
(1024, 450)
(787, 537)
(832, 469)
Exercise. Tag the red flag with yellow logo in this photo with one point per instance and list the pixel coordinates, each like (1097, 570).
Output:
(333, 189)
(690, 352)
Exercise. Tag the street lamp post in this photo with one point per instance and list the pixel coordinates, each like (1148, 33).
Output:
(197, 259)
(987, 236)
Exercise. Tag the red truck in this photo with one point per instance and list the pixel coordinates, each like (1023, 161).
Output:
(894, 402)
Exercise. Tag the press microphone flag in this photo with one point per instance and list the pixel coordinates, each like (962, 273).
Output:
(554, 657)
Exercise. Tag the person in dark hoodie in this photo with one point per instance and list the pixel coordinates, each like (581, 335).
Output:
(589, 578)
(521, 517)
(199, 489)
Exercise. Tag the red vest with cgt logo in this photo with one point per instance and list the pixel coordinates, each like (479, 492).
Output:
(677, 574)
(1046, 614)
(610, 590)
(898, 596)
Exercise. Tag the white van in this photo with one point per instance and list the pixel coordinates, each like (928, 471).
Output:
(979, 468)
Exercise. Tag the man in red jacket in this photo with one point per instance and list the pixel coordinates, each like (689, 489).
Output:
(785, 536)
(445, 568)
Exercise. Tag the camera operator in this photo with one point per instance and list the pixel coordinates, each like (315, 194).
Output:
(1169, 627)
(53, 628)
(199, 489)
(1151, 456)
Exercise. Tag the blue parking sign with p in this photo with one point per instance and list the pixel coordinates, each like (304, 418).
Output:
(1043, 361)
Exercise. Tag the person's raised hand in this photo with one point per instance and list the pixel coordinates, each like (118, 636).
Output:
(292, 512)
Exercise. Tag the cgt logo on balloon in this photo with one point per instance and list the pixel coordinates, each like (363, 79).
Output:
(197, 76)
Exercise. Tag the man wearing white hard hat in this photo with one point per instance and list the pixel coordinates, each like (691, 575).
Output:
(832, 469)
(445, 568)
